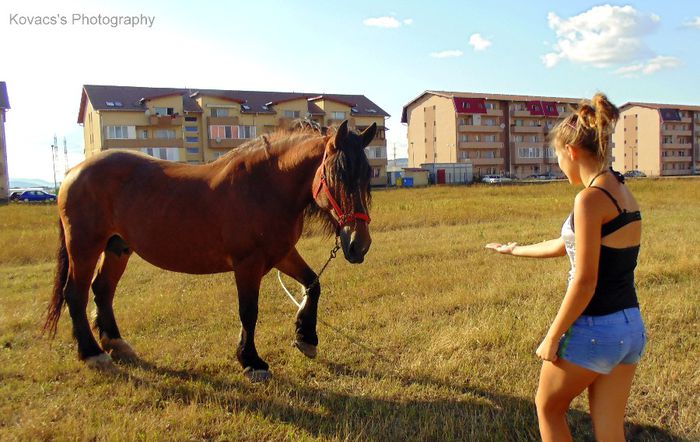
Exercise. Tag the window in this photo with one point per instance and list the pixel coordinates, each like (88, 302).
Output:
(223, 132)
(162, 111)
(144, 134)
(490, 138)
(534, 138)
(192, 139)
(463, 155)
(529, 152)
(165, 133)
(491, 105)
(121, 132)
(668, 139)
(489, 122)
(191, 128)
(338, 115)
(463, 137)
(518, 138)
(219, 112)
(518, 122)
(292, 114)
(193, 150)
(190, 119)
(376, 171)
(246, 131)
(164, 153)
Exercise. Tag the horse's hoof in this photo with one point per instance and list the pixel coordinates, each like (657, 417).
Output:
(256, 376)
(101, 362)
(119, 349)
(308, 350)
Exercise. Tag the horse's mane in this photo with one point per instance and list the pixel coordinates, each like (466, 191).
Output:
(348, 167)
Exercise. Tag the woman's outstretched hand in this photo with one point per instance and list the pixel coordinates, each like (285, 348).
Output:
(506, 249)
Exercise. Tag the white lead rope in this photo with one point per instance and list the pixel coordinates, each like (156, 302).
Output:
(294, 300)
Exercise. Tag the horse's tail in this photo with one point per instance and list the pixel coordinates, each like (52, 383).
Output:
(53, 313)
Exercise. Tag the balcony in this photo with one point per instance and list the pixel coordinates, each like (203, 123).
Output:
(527, 129)
(139, 144)
(519, 144)
(478, 128)
(677, 132)
(480, 144)
(226, 143)
(533, 160)
(166, 120)
(681, 146)
(677, 159)
(494, 112)
(486, 161)
(222, 121)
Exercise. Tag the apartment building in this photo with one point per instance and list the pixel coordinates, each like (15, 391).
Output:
(497, 134)
(4, 177)
(658, 139)
(199, 125)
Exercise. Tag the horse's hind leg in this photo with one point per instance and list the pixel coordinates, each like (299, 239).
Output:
(82, 258)
(306, 338)
(110, 270)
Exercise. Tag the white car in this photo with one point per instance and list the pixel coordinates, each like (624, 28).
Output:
(495, 179)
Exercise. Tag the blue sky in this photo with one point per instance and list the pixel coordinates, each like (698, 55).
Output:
(388, 50)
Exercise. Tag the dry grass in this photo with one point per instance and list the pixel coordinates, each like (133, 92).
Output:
(432, 338)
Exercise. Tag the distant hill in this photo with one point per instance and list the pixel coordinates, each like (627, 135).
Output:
(28, 182)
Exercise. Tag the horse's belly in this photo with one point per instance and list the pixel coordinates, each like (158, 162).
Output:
(188, 261)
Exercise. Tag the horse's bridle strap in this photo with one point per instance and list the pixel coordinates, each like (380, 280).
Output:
(343, 218)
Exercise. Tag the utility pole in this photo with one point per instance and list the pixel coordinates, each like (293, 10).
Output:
(65, 157)
(54, 153)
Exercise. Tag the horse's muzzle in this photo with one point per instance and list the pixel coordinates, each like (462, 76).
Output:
(355, 243)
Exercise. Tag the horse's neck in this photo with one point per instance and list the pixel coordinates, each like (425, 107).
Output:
(297, 166)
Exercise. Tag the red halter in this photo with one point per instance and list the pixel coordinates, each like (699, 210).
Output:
(343, 218)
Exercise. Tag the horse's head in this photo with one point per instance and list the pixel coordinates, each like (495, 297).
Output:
(341, 188)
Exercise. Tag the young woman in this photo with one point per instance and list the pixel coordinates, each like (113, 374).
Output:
(597, 336)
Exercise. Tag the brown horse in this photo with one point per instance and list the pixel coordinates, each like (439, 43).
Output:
(243, 213)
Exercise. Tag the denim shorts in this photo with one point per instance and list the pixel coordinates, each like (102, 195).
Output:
(599, 343)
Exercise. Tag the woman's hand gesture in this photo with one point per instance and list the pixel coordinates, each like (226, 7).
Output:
(506, 249)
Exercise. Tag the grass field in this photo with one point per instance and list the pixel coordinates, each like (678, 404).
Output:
(432, 338)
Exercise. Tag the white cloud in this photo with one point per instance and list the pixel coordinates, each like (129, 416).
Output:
(649, 67)
(661, 62)
(382, 22)
(408, 21)
(602, 36)
(447, 54)
(478, 42)
(692, 23)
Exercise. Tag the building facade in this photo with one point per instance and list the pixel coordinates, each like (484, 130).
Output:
(4, 177)
(197, 126)
(497, 134)
(657, 139)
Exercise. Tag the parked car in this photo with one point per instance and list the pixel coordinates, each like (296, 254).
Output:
(495, 179)
(32, 196)
(635, 174)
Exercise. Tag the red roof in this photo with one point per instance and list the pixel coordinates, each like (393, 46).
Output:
(253, 102)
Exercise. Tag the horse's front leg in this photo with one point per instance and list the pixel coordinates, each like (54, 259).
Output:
(248, 284)
(306, 338)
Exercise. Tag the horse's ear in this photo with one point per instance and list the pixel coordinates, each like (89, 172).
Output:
(368, 135)
(341, 133)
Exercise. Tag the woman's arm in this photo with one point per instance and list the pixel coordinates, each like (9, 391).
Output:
(545, 249)
(588, 217)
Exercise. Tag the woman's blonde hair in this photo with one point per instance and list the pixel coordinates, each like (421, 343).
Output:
(588, 127)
